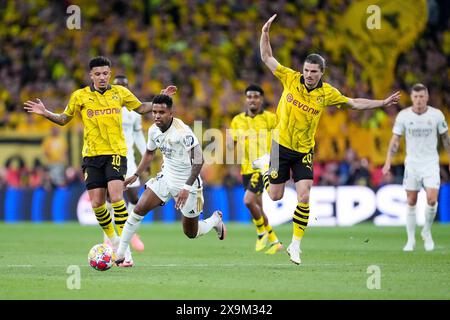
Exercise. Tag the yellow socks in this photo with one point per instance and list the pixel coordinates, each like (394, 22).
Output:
(120, 215)
(104, 220)
(300, 220)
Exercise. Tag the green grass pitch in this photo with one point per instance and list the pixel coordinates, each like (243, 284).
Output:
(35, 262)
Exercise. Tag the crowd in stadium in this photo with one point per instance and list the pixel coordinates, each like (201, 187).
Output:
(210, 51)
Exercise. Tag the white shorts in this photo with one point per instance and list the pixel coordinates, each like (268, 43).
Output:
(131, 170)
(427, 176)
(165, 190)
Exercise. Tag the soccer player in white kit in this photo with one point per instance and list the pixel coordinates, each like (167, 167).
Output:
(420, 124)
(179, 177)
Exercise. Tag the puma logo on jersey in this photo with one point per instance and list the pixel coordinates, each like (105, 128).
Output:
(117, 169)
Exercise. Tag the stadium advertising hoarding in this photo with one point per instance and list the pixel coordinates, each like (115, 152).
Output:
(347, 206)
(330, 206)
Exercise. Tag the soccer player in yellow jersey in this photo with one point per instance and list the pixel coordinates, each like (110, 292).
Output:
(301, 104)
(252, 130)
(104, 149)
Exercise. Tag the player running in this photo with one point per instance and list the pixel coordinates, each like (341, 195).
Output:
(299, 109)
(179, 177)
(252, 129)
(104, 149)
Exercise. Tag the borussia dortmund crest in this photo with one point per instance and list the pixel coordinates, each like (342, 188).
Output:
(273, 173)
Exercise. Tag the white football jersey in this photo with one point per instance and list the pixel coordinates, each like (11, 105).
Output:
(175, 145)
(421, 134)
(132, 130)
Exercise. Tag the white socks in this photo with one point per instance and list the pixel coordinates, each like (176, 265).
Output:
(411, 223)
(130, 228)
(296, 242)
(130, 207)
(430, 214)
(204, 226)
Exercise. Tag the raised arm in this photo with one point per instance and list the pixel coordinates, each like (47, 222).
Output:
(265, 48)
(363, 104)
(39, 108)
(146, 107)
(392, 150)
(446, 144)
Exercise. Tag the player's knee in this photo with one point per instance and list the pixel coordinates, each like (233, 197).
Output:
(431, 202)
(275, 196)
(412, 201)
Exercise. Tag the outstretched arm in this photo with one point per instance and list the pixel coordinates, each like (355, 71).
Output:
(363, 104)
(146, 107)
(264, 46)
(393, 149)
(40, 109)
(446, 143)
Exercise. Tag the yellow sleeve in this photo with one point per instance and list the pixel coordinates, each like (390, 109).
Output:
(233, 131)
(129, 100)
(284, 74)
(74, 104)
(273, 120)
(335, 98)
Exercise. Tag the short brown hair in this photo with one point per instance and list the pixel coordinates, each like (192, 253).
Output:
(314, 58)
(419, 87)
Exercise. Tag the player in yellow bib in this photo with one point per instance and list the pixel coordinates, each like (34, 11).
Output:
(304, 98)
(252, 131)
(104, 148)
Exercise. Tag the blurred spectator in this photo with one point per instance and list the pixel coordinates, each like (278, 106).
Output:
(210, 50)
(359, 173)
(55, 156)
(16, 172)
(39, 176)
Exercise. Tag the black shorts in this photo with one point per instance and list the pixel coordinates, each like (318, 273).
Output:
(253, 182)
(99, 170)
(284, 160)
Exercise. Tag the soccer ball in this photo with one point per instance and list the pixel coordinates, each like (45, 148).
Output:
(100, 257)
